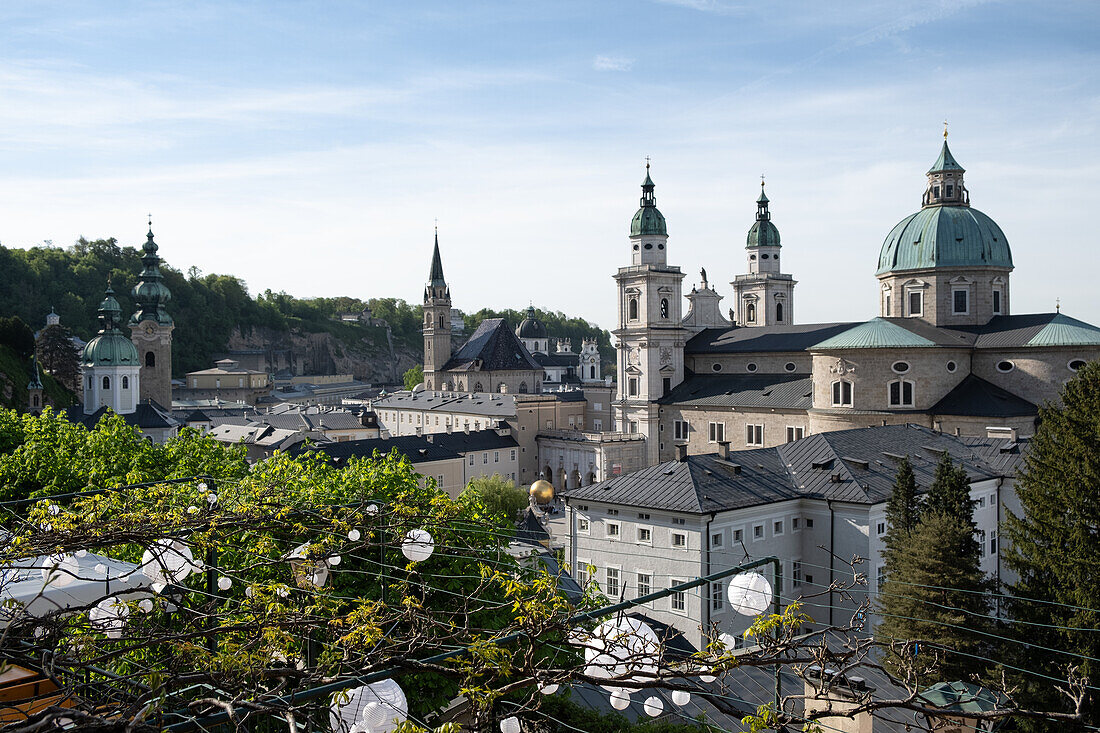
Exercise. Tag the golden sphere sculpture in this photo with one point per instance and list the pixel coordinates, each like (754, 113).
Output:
(542, 491)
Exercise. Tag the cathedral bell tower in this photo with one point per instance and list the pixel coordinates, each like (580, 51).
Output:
(764, 296)
(650, 336)
(151, 327)
(437, 323)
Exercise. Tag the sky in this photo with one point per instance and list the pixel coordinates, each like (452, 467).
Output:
(311, 147)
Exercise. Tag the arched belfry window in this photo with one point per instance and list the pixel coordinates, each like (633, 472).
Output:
(779, 312)
(523, 387)
(633, 309)
(126, 383)
(441, 320)
(106, 383)
(150, 359)
(750, 312)
(664, 307)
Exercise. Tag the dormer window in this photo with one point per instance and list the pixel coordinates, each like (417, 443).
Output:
(950, 190)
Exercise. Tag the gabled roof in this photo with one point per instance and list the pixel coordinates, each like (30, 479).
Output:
(793, 391)
(416, 448)
(877, 333)
(974, 396)
(475, 440)
(492, 347)
(857, 466)
(148, 415)
(745, 339)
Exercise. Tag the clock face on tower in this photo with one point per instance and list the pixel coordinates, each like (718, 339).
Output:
(150, 329)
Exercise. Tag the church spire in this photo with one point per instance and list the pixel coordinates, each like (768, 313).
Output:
(648, 220)
(435, 277)
(945, 180)
(151, 294)
(762, 213)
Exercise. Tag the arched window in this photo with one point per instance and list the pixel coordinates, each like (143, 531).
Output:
(750, 313)
(150, 359)
(842, 393)
(592, 372)
(664, 307)
(478, 387)
(126, 383)
(441, 320)
(106, 383)
(36, 401)
(901, 393)
(633, 309)
(428, 319)
(779, 312)
(523, 387)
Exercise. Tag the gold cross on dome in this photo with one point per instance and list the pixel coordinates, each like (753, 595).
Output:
(647, 162)
(945, 129)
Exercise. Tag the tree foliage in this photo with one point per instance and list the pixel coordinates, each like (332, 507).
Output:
(17, 335)
(1055, 545)
(902, 508)
(413, 376)
(500, 496)
(59, 356)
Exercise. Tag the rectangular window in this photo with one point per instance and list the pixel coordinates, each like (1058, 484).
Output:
(612, 589)
(809, 523)
(632, 386)
(666, 385)
(960, 302)
(842, 393)
(950, 190)
(981, 502)
(679, 598)
(754, 435)
(613, 512)
(796, 573)
(796, 523)
(680, 429)
(582, 572)
(513, 454)
(738, 535)
(795, 432)
(613, 530)
(880, 577)
(597, 406)
(679, 520)
(887, 304)
(993, 542)
(645, 535)
(582, 525)
(645, 584)
(758, 531)
(777, 527)
(439, 480)
(717, 431)
(484, 457)
(643, 515)
(916, 303)
(716, 540)
(471, 459)
(717, 597)
(997, 301)
(679, 539)
(901, 393)
(496, 456)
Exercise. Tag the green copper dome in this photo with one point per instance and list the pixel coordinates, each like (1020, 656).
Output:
(648, 220)
(944, 236)
(763, 233)
(151, 294)
(109, 347)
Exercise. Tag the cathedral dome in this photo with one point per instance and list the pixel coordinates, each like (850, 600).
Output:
(109, 347)
(944, 236)
(763, 233)
(648, 219)
(531, 327)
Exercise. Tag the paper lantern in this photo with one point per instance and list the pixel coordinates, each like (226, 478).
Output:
(390, 708)
(631, 642)
(620, 699)
(548, 689)
(509, 725)
(109, 616)
(681, 697)
(168, 561)
(60, 570)
(750, 594)
(418, 545)
(354, 535)
(653, 706)
(225, 583)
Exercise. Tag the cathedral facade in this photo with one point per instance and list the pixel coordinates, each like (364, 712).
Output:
(945, 351)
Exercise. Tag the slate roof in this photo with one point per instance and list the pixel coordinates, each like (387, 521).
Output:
(417, 449)
(1035, 329)
(477, 403)
(300, 420)
(556, 360)
(149, 415)
(492, 347)
(974, 396)
(748, 340)
(743, 390)
(857, 466)
(475, 440)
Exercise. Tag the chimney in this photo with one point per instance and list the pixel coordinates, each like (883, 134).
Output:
(724, 450)
(466, 428)
(430, 438)
(450, 427)
(682, 452)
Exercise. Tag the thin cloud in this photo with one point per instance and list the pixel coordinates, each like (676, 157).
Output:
(612, 63)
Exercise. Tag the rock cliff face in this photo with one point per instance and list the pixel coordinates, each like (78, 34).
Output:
(374, 358)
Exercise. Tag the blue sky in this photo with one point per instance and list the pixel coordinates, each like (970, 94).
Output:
(310, 146)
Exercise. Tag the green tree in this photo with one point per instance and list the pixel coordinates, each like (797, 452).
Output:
(500, 496)
(413, 376)
(17, 335)
(950, 491)
(932, 602)
(902, 508)
(1054, 547)
(59, 356)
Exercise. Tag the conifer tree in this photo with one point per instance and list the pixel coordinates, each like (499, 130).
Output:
(1055, 546)
(950, 491)
(902, 508)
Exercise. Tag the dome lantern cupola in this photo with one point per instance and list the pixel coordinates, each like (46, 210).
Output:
(945, 181)
(151, 294)
(109, 347)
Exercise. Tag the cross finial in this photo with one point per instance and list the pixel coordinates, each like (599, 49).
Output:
(437, 226)
(761, 180)
(150, 218)
(945, 129)
(647, 162)
(1058, 305)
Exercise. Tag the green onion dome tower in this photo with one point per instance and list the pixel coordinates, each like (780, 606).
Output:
(151, 327)
(110, 364)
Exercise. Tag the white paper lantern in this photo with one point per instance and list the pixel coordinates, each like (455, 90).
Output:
(354, 535)
(374, 715)
(548, 689)
(728, 640)
(372, 509)
(750, 594)
(653, 706)
(509, 725)
(707, 678)
(602, 666)
(100, 568)
(168, 561)
(631, 642)
(225, 583)
(681, 697)
(60, 570)
(418, 545)
(145, 605)
(109, 615)
(620, 699)
(333, 561)
(389, 698)
(81, 553)
(54, 509)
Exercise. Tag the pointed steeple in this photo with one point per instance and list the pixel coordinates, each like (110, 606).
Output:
(648, 220)
(946, 161)
(762, 204)
(945, 181)
(435, 277)
(36, 379)
(151, 294)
